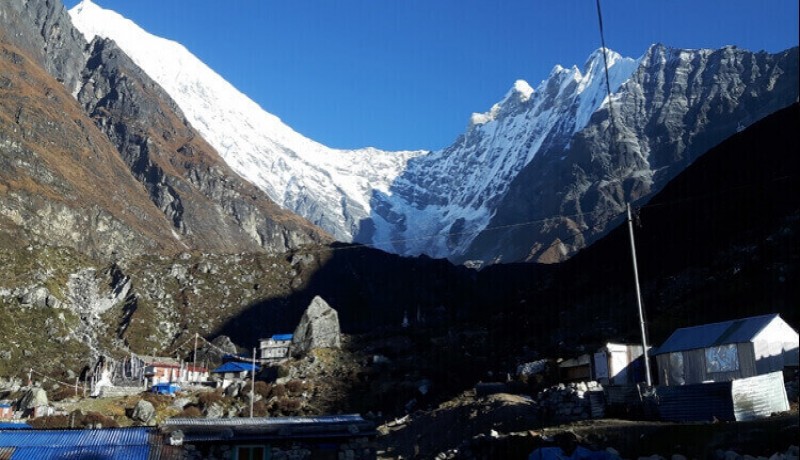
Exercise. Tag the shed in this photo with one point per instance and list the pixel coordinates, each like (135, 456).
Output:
(576, 369)
(728, 350)
(618, 364)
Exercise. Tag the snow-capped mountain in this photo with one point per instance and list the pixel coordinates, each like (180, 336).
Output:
(331, 188)
(450, 195)
(535, 177)
(369, 195)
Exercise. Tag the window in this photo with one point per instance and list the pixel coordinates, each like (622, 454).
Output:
(676, 372)
(252, 453)
(723, 358)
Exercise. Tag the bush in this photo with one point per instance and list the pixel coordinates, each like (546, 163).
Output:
(263, 389)
(61, 393)
(289, 406)
(209, 398)
(77, 419)
(191, 412)
(279, 391)
(295, 387)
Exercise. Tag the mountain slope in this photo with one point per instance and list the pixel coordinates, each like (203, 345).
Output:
(443, 199)
(62, 182)
(203, 204)
(331, 188)
(678, 104)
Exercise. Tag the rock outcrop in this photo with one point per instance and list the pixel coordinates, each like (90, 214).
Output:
(144, 412)
(318, 328)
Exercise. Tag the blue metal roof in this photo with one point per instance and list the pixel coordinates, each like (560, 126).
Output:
(715, 334)
(282, 337)
(235, 366)
(14, 426)
(106, 443)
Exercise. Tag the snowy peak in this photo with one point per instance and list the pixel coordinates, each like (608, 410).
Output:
(331, 188)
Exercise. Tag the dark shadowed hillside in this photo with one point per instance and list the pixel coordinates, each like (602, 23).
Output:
(719, 242)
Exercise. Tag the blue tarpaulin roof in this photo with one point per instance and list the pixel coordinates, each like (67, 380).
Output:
(715, 334)
(107, 443)
(235, 366)
(282, 337)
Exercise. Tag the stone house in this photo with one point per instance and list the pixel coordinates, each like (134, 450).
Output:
(276, 347)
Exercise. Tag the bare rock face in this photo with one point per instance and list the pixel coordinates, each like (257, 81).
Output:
(318, 328)
(35, 397)
(144, 412)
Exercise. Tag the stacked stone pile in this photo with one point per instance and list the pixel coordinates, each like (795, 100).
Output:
(567, 402)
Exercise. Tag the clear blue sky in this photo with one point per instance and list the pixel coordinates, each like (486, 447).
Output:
(407, 74)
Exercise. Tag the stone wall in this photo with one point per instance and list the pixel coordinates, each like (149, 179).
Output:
(353, 449)
(568, 402)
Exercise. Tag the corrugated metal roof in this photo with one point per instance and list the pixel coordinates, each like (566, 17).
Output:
(14, 426)
(245, 421)
(282, 337)
(715, 334)
(111, 443)
(235, 366)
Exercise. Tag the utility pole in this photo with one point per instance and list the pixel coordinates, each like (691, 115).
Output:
(253, 384)
(194, 355)
(639, 301)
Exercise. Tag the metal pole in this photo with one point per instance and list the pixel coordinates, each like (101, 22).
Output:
(253, 384)
(639, 299)
(194, 356)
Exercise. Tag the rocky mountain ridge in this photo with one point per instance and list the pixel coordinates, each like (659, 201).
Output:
(531, 179)
(176, 183)
(676, 106)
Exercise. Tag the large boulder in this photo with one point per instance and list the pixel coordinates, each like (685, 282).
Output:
(144, 412)
(318, 328)
(222, 345)
(35, 397)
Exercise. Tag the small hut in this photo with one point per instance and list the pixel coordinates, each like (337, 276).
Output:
(728, 350)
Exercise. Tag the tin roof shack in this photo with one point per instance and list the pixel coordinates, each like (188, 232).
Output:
(117, 443)
(275, 347)
(233, 371)
(576, 369)
(727, 350)
(324, 437)
(618, 364)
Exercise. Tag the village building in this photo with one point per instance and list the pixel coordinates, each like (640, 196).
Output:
(165, 370)
(727, 350)
(233, 371)
(159, 370)
(618, 364)
(275, 347)
(6, 411)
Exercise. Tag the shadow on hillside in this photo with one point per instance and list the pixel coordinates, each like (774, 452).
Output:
(719, 242)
